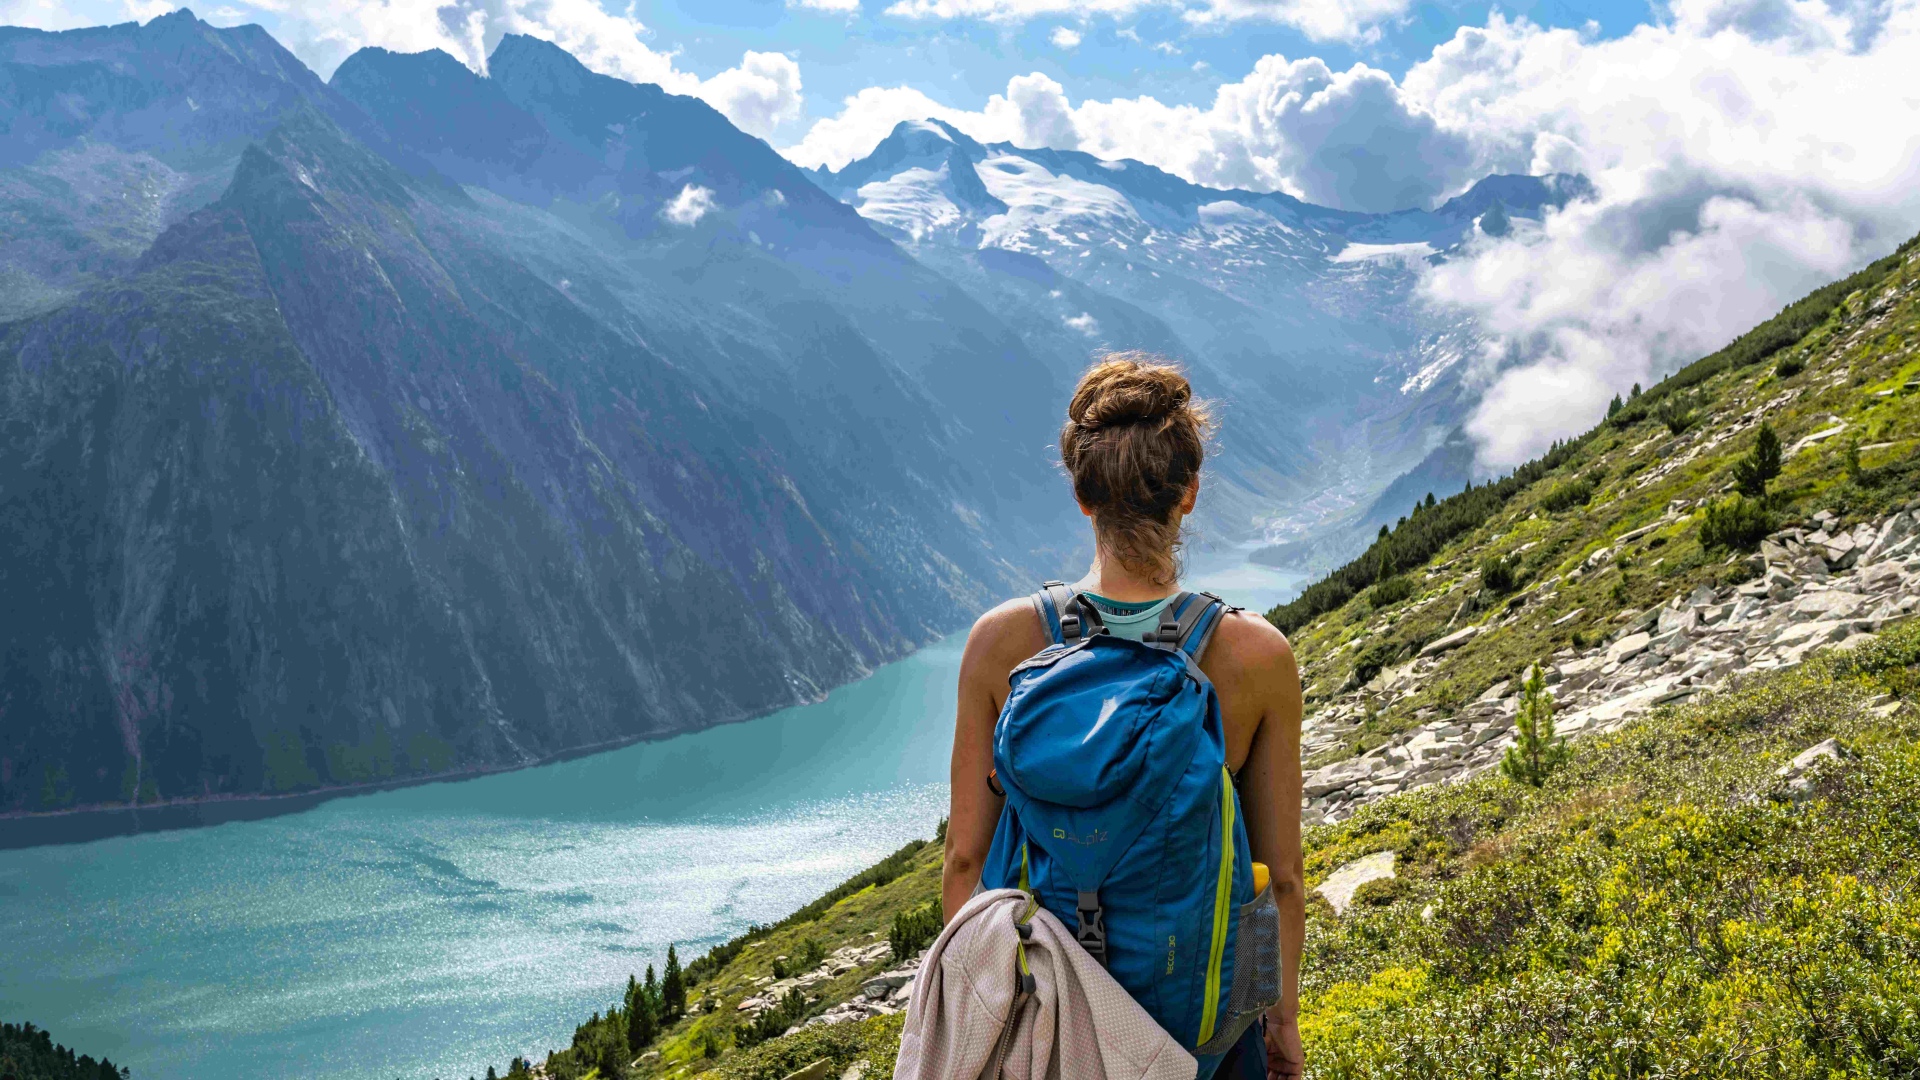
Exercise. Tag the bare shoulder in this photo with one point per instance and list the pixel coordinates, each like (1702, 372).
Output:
(1004, 636)
(1248, 645)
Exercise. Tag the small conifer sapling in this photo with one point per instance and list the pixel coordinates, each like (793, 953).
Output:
(1536, 751)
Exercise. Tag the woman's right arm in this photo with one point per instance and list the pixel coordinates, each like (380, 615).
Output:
(1001, 639)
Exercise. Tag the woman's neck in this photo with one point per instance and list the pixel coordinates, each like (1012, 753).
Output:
(1110, 578)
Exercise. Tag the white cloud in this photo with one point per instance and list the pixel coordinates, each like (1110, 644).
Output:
(1322, 20)
(1085, 323)
(832, 7)
(1742, 154)
(866, 118)
(58, 14)
(692, 204)
(1064, 38)
(1351, 139)
(758, 95)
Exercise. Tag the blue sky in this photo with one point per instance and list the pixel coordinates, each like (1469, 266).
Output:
(962, 62)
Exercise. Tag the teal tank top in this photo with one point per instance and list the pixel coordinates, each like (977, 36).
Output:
(1129, 620)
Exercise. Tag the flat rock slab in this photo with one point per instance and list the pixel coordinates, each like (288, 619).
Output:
(1451, 641)
(1344, 882)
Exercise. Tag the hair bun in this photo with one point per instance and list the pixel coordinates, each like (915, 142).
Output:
(1133, 442)
(1123, 390)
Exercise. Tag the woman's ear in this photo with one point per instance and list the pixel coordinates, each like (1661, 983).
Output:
(1084, 508)
(1193, 496)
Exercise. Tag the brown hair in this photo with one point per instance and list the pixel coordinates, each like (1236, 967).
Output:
(1133, 443)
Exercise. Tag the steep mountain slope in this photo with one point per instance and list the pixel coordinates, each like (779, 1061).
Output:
(770, 282)
(360, 474)
(1285, 308)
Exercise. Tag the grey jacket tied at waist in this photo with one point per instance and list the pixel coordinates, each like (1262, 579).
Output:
(973, 1017)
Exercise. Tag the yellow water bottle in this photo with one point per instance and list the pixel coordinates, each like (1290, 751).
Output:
(1260, 878)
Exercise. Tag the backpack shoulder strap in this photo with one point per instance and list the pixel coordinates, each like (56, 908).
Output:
(1066, 615)
(1198, 622)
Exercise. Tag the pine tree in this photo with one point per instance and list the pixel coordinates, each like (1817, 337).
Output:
(1615, 406)
(1635, 393)
(1537, 751)
(1760, 465)
(673, 988)
(643, 1013)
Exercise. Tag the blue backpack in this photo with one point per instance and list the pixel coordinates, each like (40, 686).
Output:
(1122, 819)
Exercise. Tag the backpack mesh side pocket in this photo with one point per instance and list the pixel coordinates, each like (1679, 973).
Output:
(1256, 971)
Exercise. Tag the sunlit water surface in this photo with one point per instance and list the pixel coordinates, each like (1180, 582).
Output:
(432, 931)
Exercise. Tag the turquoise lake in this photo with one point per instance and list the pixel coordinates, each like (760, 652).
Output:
(435, 930)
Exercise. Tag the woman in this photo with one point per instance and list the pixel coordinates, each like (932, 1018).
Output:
(1133, 444)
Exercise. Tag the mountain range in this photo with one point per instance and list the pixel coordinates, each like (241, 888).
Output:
(419, 421)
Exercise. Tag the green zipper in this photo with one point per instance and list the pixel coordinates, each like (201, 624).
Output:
(1222, 904)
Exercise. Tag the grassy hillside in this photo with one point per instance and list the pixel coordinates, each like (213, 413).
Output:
(1664, 904)
(1660, 461)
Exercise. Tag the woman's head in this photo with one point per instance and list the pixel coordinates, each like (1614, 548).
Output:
(1133, 443)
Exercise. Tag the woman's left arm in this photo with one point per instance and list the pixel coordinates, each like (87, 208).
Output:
(1270, 800)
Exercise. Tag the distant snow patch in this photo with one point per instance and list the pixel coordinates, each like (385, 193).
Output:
(913, 201)
(1084, 323)
(1041, 201)
(1225, 212)
(1406, 253)
(930, 128)
(693, 203)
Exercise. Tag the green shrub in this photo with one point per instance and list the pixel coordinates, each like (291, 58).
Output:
(774, 1022)
(1566, 496)
(812, 953)
(1790, 365)
(1736, 523)
(1382, 892)
(1373, 658)
(1677, 411)
(1760, 465)
(1389, 592)
(875, 1042)
(912, 930)
(1497, 573)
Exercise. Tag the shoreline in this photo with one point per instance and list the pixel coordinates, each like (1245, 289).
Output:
(106, 821)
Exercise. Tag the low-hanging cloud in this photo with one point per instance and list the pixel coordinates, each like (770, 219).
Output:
(1742, 153)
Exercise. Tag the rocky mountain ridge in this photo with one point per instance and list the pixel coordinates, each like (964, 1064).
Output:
(360, 473)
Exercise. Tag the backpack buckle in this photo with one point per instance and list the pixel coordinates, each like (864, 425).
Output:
(1092, 931)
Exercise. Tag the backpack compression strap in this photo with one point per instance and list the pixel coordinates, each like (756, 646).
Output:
(1066, 614)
